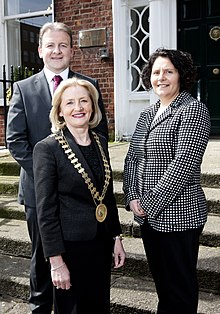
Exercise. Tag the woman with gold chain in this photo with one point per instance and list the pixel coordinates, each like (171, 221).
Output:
(77, 213)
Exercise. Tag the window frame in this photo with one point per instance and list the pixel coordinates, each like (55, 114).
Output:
(16, 17)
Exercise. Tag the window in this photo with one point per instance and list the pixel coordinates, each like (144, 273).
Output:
(23, 20)
(25, 56)
(32, 57)
(25, 35)
(13, 7)
(32, 35)
(139, 45)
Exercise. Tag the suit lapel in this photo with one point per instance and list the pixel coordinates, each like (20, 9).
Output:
(180, 100)
(43, 90)
(70, 74)
(164, 115)
(150, 116)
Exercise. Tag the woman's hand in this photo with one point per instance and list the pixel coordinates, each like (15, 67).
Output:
(119, 253)
(59, 273)
(136, 208)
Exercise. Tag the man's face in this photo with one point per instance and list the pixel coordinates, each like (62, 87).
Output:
(56, 51)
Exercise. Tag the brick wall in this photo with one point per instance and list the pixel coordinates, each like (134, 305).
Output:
(91, 14)
(2, 127)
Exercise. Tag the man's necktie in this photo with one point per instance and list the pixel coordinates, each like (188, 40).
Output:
(57, 79)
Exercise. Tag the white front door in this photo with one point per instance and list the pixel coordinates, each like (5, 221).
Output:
(131, 51)
(140, 27)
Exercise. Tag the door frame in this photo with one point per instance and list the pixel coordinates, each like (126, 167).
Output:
(163, 30)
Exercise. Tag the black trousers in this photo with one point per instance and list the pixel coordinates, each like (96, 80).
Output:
(89, 263)
(41, 287)
(172, 259)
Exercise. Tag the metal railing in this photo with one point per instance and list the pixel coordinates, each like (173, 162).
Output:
(16, 74)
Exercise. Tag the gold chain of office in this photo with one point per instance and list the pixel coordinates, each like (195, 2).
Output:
(101, 209)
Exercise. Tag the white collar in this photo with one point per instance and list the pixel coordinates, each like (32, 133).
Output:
(49, 74)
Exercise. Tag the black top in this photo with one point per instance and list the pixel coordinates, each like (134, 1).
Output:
(90, 154)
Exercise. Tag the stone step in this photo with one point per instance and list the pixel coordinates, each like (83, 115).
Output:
(212, 196)
(210, 235)
(14, 238)
(211, 180)
(9, 186)
(137, 296)
(129, 294)
(14, 241)
(208, 264)
(9, 167)
(10, 209)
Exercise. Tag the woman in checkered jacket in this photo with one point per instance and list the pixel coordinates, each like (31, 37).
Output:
(162, 179)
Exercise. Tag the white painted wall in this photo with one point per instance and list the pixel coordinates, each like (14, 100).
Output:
(163, 27)
(2, 47)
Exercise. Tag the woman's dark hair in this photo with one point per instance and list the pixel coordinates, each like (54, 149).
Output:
(181, 60)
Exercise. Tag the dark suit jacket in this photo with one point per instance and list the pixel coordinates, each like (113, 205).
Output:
(65, 208)
(162, 167)
(28, 122)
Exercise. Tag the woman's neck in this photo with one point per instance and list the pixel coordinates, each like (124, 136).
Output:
(81, 136)
(165, 102)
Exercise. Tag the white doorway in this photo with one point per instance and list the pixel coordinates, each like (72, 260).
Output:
(139, 26)
(131, 50)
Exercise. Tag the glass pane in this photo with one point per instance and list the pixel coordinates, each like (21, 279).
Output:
(191, 9)
(135, 76)
(145, 19)
(13, 7)
(139, 45)
(134, 21)
(213, 8)
(23, 42)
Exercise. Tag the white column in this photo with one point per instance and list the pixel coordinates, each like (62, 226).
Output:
(119, 9)
(163, 24)
(2, 47)
(163, 27)
(2, 38)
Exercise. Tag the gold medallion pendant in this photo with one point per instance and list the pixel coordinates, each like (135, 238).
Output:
(101, 212)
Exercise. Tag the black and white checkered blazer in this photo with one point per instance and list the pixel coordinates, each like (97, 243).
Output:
(162, 166)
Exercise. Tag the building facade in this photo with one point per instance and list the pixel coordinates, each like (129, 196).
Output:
(112, 41)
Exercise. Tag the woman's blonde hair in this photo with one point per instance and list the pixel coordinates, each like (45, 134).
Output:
(58, 122)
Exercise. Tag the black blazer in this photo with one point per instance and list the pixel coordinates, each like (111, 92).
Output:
(28, 122)
(65, 208)
(162, 166)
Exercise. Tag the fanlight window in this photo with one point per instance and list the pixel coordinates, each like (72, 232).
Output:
(139, 45)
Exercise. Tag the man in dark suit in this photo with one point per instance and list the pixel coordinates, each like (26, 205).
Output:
(28, 123)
